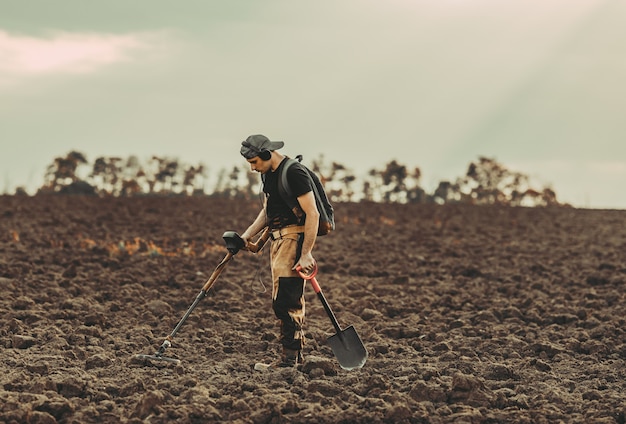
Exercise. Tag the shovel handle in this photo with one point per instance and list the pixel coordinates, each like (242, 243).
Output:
(316, 287)
(310, 277)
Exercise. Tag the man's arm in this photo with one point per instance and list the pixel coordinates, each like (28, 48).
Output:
(311, 224)
(259, 223)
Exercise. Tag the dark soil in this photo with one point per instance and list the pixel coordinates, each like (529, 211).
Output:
(470, 315)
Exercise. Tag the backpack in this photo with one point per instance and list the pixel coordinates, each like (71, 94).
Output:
(327, 213)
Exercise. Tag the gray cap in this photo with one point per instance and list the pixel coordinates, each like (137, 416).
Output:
(255, 144)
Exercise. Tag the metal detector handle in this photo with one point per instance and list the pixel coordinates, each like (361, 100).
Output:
(258, 245)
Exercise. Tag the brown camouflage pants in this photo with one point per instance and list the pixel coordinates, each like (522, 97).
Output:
(288, 290)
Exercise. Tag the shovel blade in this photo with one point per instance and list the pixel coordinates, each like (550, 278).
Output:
(348, 349)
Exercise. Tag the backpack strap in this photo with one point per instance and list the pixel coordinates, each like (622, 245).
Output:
(283, 182)
(288, 194)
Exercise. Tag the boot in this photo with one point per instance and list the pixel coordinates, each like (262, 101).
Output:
(289, 359)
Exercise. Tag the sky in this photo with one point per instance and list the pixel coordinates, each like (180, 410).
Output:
(537, 85)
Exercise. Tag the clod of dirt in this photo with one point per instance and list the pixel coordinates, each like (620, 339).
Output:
(23, 342)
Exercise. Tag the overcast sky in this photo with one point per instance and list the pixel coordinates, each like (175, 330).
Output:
(539, 85)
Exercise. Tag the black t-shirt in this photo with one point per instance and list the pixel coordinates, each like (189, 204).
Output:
(279, 214)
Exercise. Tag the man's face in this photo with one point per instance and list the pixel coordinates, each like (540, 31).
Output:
(259, 165)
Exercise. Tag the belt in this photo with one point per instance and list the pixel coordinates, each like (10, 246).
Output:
(279, 233)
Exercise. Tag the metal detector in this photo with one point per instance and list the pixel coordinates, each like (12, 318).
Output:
(234, 243)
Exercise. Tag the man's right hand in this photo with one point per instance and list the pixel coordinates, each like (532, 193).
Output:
(254, 247)
(246, 241)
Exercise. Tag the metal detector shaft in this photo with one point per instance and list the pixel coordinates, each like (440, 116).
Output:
(168, 340)
(203, 293)
(233, 248)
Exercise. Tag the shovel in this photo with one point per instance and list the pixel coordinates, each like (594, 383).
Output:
(346, 344)
(234, 243)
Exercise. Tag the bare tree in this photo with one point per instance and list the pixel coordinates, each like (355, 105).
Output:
(336, 178)
(394, 184)
(194, 175)
(62, 172)
(107, 175)
(489, 182)
(165, 173)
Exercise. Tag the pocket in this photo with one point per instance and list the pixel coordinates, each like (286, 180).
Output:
(290, 291)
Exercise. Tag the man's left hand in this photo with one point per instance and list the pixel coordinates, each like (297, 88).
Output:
(306, 263)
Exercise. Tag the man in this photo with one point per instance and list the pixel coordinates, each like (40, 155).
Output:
(293, 235)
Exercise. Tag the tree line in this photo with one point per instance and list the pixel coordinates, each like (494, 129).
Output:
(485, 182)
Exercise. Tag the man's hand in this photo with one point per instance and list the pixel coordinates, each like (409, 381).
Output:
(246, 241)
(306, 263)
(255, 246)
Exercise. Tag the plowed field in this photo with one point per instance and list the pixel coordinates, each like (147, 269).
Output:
(469, 314)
